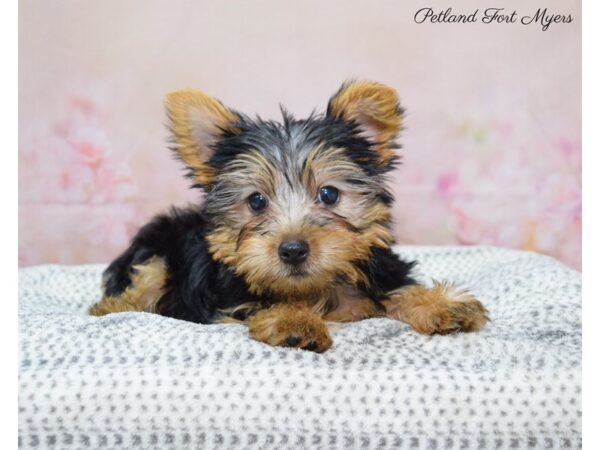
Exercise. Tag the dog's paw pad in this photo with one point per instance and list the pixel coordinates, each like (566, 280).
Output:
(312, 345)
(292, 341)
(311, 338)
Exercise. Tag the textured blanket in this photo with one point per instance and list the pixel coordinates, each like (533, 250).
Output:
(136, 380)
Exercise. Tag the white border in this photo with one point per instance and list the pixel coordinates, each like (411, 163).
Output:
(591, 224)
(8, 234)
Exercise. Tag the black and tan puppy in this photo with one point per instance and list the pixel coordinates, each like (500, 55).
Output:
(294, 230)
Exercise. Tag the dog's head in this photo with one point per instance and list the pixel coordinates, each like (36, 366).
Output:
(294, 206)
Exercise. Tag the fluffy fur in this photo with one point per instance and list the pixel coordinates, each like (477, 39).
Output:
(221, 260)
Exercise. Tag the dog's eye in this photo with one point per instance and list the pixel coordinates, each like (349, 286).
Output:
(257, 202)
(329, 195)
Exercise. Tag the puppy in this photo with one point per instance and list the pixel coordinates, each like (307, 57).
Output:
(294, 230)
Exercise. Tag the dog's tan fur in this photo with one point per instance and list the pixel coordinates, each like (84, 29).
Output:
(291, 324)
(441, 309)
(146, 289)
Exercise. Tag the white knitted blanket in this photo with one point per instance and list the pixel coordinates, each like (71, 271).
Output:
(136, 380)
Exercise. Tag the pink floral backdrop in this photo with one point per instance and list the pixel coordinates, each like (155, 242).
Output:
(492, 145)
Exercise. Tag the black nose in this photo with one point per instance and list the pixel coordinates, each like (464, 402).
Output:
(293, 251)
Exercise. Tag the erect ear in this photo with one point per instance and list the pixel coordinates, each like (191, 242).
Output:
(197, 122)
(376, 110)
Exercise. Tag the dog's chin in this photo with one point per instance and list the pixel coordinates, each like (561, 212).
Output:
(297, 273)
(298, 280)
(284, 280)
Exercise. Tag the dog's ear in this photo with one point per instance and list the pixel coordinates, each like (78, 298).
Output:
(376, 110)
(197, 120)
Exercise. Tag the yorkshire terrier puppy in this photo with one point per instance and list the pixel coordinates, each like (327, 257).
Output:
(294, 230)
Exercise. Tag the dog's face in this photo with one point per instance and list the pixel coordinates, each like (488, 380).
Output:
(294, 206)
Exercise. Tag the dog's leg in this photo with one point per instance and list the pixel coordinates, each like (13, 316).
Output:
(146, 288)
(439, 309)
(291, 324)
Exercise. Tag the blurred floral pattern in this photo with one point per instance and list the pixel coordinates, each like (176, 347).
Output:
(492, 145)
(503, 186)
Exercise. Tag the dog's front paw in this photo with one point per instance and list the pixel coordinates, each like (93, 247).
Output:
(290, 325)
(441, 309)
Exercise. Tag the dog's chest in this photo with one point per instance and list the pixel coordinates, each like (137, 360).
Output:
(350, 305)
